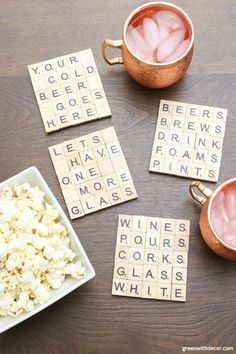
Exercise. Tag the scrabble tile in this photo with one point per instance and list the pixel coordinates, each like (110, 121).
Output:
(135, 272)
(186, 137)
(69, 90)
(70, 195)
(148, 290)
(116, 196)
(151, 257)
(119, 287)
(138, 238)
(87, 165)
(134, 288)
(150, 273)
(121, 270)
(178, 292)
(179, 276)
(163, 291)
(75, 209)
(164, 274)
(123, 237)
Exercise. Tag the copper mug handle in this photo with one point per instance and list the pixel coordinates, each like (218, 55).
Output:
(206, 192)
(108, 43)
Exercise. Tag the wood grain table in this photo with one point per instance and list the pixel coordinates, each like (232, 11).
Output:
(90, 320)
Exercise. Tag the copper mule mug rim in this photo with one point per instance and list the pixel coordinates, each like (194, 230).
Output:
(119, 43)
(209, 194)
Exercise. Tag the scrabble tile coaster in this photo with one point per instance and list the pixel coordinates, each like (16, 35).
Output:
(151, 258)
(189, 140)
(92, 172)
(69, 90)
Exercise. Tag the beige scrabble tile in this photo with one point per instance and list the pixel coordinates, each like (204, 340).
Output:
(136, 255)
(123, 237)
(178, 292)
(88, 205)
(182, 227)
(152, 241)
(116, 196)
(114, 149)
(181, 243)
(150, 273)
(109, 135)
(179, 275)
(87, 157)
(135, 271)
(83, 143)
(164, 274)
(70, 195)
(166, 258)
(192, 111)
(180, 259)
(102, 200)
(92, 171)
(121, 270)
(89, 112)
(128, 191)
(100, 152)
(119, 287)
(84, 190)
(139, 223)
(156, 164)
(103, 110)
(153, 225)
(220, 115)
(97, 185)
(167, 242)
(163, 291)
(60, 166)
(179, 109)
(65, 179)
(96, 139)
(73, 161)
(105, 167)
(137, 238)
(168, 226)
(56, 152)
(111, 181)
(166, 107)
(134, 288)
(119, 163)
(149, 290)
(125, 222)
(151, 256)
(122, 254)
(170, 166)
(78, 175)
(69, 147)
(94, 82)
(206, 113)
(75, 209)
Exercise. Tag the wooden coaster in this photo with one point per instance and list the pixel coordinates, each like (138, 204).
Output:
(69, 90)
(151, 258)
(92, 172)
(188, 140)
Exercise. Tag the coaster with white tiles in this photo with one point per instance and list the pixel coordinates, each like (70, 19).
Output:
(189, 140)
(92, 172)
(69, 90)
(151, 258)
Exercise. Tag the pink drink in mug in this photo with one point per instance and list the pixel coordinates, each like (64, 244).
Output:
(159, 36)
(223, 214)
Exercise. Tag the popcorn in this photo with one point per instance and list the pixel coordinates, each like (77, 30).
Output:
(35, 253)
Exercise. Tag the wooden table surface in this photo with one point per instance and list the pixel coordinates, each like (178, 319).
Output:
(90, 320)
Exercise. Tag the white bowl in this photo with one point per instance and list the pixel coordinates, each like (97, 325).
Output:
(34, 178)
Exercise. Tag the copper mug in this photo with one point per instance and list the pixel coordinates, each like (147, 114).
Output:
(156, 75)
(205, 197)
